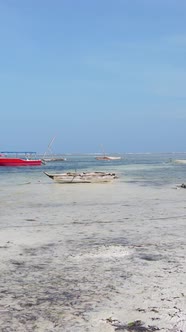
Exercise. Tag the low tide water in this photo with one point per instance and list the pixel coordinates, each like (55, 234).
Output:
(144, 169)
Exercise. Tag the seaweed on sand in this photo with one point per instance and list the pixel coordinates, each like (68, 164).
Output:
(136, 326)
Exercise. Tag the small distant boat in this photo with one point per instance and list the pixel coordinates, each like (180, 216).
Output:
(180, 161)
(107, 157)
(50, 157)
(53, 159)
(84, 177)
(14, 159)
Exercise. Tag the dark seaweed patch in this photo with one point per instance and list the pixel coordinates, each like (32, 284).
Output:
(136, 326)
(150, 257)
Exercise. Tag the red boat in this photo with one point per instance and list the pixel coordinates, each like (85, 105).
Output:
(14, 159)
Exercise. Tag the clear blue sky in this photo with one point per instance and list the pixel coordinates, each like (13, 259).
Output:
(93, 72)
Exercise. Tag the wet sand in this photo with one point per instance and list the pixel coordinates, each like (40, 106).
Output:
(92, 257)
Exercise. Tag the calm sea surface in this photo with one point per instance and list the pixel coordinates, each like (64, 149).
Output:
(143, 169)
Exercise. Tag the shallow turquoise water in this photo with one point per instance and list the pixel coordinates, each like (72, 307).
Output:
(144, 169)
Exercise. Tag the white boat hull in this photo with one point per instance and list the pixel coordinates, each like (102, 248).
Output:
(180, 161)
(54, 159)
(108, 158)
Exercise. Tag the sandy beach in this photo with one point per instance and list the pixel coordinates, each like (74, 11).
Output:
(92, 257)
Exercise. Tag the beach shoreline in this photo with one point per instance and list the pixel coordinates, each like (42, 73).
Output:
(92, 257)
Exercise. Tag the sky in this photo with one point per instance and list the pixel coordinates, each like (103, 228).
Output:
(93, 73)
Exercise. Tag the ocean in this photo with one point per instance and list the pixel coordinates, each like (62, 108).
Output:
(143, 169)
(94, 257)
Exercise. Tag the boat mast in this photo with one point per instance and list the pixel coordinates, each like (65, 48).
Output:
(49, 146)
(103, 151)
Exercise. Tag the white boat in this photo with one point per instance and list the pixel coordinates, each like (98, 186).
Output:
(108, 158)
(180, 161)
(84, 177)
